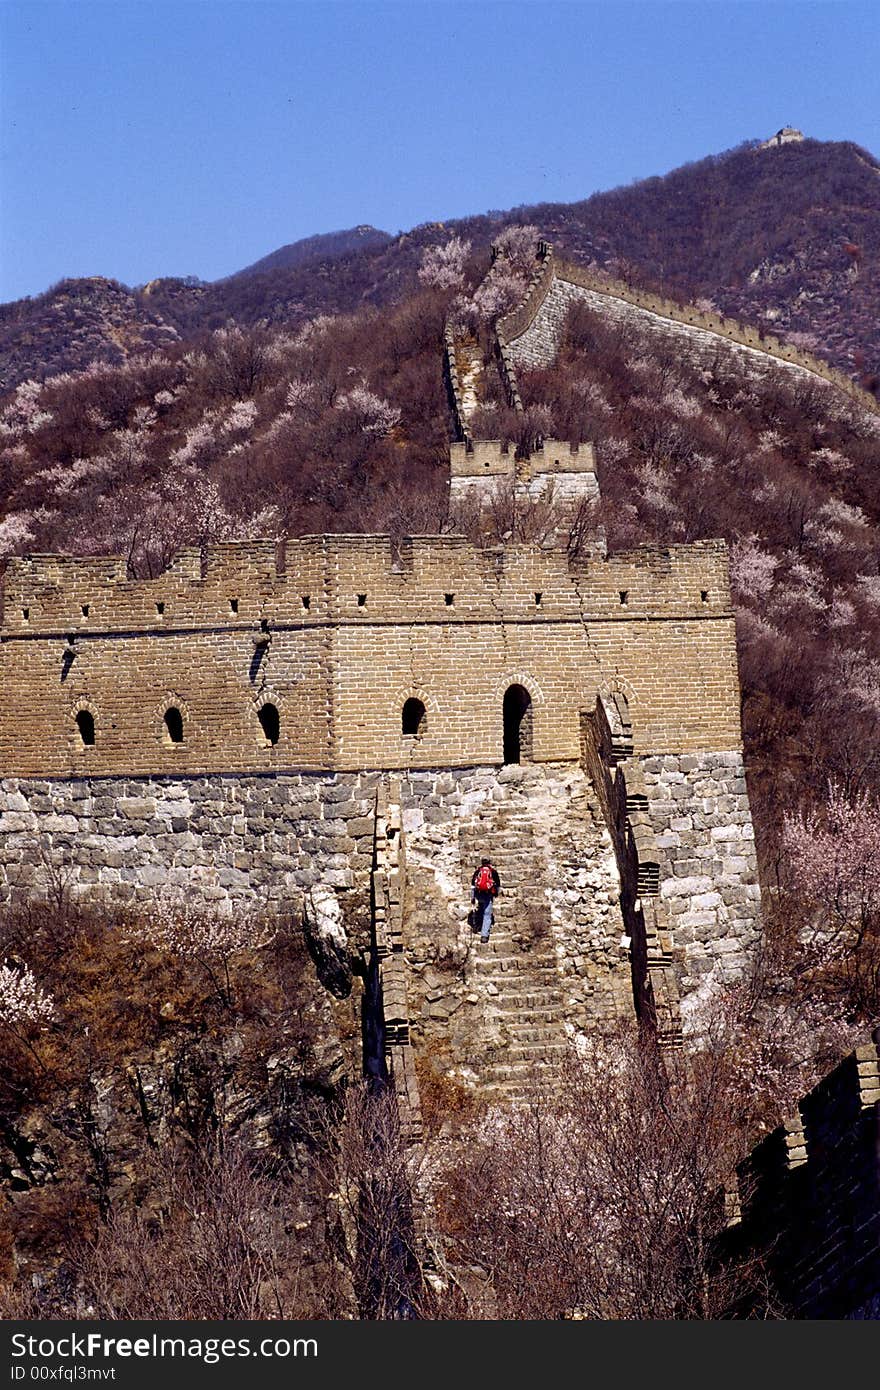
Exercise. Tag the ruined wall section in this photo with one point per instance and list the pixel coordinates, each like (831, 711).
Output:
(554, 961)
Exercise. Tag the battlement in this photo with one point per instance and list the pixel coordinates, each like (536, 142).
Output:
(490, 458)
(481, 458)
(550, 275)
(361, 579)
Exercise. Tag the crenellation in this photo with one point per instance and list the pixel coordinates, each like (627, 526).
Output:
(809, 1196)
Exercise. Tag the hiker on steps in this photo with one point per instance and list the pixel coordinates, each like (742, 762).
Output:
(485, 885)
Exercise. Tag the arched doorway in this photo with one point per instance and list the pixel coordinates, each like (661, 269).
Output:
(85, 723)
(173, 721)
(517, 724)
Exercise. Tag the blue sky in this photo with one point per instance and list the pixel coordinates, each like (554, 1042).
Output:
(194, 136)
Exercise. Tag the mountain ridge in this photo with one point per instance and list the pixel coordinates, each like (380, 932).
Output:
(786, 239)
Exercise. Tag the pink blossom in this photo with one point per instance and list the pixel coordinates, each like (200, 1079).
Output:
(373, 414)
(241, 417)
(751, 569)
(834, 856)
(518, 245)
(23, 414)
(182, 929)
(22, 1000)
(443, 266)
(15, 532)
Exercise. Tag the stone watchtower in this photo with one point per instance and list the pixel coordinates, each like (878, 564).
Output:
(224, 732)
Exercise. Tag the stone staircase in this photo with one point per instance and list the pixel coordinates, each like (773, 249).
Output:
(516, 973)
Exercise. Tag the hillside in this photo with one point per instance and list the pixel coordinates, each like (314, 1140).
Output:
(182, 1142)
(78, 322)
(326, 246)
(785, 238)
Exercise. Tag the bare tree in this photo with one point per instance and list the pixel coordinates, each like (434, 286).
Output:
(605, 1201)
(368, 1173)
(208, 1243)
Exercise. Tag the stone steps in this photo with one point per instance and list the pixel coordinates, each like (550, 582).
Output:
(524, 1060)
(535, 1001)
(530, 1033)
(526, 999)
(525, 1016)
(513, 963)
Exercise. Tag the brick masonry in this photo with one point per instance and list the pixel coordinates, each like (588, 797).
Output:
(353, 630)
(808, 1196)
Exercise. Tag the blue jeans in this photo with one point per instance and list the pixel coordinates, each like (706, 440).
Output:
(483, 909)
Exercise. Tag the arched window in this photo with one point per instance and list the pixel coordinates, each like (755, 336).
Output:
(85, 723)
(413, 718)
(517, 724)
(270, 722)
(173, 721)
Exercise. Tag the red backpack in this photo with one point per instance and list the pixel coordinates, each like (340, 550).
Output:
(484, 882)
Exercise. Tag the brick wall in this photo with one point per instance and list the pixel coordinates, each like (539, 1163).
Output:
(354, 630)
(810, 1196)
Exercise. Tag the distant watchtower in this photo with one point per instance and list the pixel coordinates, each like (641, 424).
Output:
(788, 135)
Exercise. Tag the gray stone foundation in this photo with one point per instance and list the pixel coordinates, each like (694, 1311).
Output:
(699, 810)
(236, 841)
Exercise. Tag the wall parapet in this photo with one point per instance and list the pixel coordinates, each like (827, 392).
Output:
(488, 458)
(262, 665)
(515, 324)
(240, 586)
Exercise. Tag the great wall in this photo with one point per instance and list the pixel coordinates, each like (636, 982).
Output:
(531, 333)
(338, 727)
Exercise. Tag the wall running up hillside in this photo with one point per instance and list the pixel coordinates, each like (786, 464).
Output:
(530, 335)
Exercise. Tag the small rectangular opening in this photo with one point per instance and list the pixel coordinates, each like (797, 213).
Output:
(85, 609)
(25, 615)
(624, 596)
(233, 605)
(160, 609)
(306, 602)
(704, 595)
(362, 599)
(449, 600)
(538, 598)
